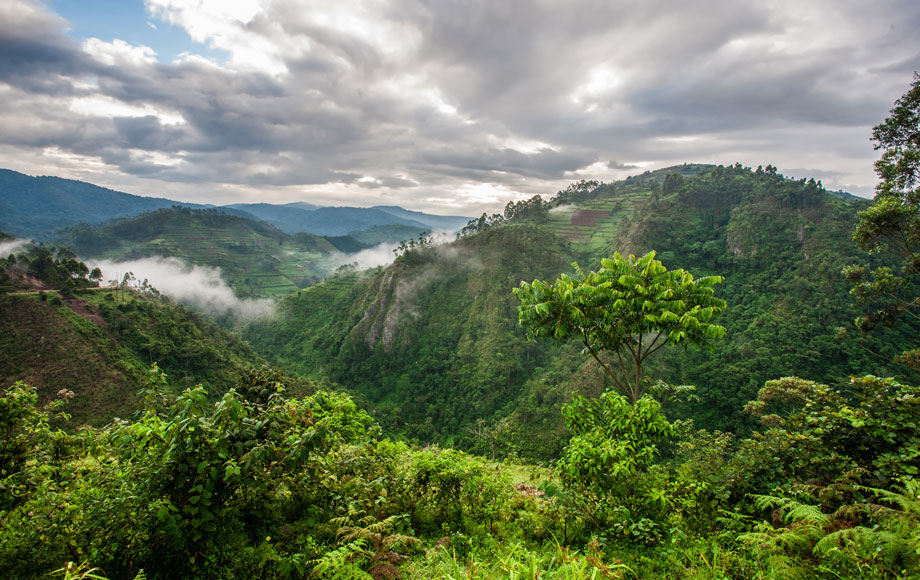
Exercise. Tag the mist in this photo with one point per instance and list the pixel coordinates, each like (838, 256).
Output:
(379, 255)
(200, 288)
(382, 254)
(11, 247)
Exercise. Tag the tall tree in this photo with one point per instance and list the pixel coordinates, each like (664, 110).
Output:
(623, 313)
(892, 223)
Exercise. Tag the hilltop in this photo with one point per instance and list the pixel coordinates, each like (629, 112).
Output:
(36, 207)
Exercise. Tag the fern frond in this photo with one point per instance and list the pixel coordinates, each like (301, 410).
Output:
(338, 558)
(793, 511)
(908, 498)
(384, 525)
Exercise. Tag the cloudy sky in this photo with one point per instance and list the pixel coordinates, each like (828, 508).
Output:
(449, 106)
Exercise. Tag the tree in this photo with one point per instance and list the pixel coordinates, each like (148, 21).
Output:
(623, 313)
(608, 464)
(892, 223)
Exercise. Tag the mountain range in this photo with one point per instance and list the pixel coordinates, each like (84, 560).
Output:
(39, 207)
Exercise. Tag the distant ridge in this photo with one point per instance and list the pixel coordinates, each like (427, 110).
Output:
(449, 223)
(36, 207)
(298, 217)
(39, 207)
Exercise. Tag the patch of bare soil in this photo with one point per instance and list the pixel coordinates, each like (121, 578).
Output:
(588, 217)
(29, 283)
(86, 310)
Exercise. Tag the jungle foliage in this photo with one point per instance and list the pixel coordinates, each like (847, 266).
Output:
(259, 484)
(432, 344)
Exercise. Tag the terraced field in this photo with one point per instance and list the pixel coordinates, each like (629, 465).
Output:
(592, 224)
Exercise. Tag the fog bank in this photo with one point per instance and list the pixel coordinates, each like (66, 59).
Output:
(200, 288)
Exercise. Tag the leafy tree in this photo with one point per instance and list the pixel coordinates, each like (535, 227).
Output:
(866, 433)
(892, 223)
(608, 464)
(623, 313)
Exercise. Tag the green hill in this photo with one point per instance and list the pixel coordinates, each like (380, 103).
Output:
(255, 258)
(100, 345)
(432, 341)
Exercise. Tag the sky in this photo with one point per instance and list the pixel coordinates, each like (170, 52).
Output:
(445, 106)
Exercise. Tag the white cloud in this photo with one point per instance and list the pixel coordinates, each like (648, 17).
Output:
(119, 53)
(479, 102)
(104, 106)
(225, 25)
(379, 255)
(198, 287)
(11, 247)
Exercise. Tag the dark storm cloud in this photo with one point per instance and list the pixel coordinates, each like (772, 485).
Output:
(424, 97)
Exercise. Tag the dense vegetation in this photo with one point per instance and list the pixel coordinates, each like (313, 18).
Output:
(435, 336)
(259, 485)
(271, 477)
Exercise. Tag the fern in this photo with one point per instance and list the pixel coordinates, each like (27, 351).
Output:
(889, 549)
(779, 549)
(860, 545)
(338, 558)
(792, 510)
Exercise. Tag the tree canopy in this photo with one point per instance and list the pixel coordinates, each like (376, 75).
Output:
(892, 223)
(627, 310)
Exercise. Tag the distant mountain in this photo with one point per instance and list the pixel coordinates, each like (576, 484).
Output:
(450, 223)
(336, 221)
(302, 205)
(36, 207)
(289, 218)
(339, 221)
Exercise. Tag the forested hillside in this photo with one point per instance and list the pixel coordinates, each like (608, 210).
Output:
(100, 344)
(254, 257)
(36, 207)
(432, 342)
(60, 332)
